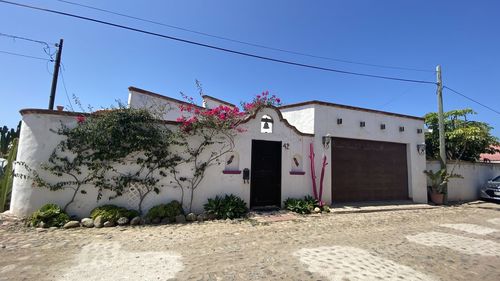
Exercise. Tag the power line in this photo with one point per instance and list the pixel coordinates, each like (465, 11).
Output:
(65, 89)
(25, 56)
(46, 47)
(402, 94)
(239, 41)
(216, 47)
(24, 38)
(472, 100)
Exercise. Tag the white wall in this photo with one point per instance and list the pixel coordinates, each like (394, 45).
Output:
(168, 109)
(326, 123)
(475, 175)
(210, 102)
(301, 117)
(37, 142)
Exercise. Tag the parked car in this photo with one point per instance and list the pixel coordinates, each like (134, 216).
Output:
(491, 190)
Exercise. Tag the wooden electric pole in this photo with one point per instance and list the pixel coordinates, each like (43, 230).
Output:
(55, 75)
(442, 150)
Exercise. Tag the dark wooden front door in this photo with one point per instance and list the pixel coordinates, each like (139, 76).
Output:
(265, 184)
(368, 170)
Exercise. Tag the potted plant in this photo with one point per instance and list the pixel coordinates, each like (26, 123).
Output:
(439, 180)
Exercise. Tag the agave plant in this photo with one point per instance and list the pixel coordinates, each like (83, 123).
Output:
(440, 178)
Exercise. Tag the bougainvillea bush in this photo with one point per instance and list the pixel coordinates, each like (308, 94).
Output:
(260, 101)
(131, 150)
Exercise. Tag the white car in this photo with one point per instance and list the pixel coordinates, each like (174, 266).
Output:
(491, 190)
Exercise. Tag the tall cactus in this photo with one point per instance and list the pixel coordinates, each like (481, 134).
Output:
(3, 140)
(7, 176)
(6, 137)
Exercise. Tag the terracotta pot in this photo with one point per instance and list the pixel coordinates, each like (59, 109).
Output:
(437, 198)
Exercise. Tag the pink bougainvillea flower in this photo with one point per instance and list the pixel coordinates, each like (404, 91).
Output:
(80, 119)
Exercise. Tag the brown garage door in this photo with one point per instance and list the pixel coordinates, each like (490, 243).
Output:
(368, 170)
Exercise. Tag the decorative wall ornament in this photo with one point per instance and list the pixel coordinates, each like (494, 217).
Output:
(421, 148)
(232, 163)
(326, 140)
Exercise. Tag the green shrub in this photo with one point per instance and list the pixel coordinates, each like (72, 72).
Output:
(170, 210)
(50, 214)
(229, 207)
(112, 213)
(301, 206)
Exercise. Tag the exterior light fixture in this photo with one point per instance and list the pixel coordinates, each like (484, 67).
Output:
(362, 124)
(421, 148)
(401, 129)
(382, 126)
(339, 121)
(326, 140)
(286, 145)
(419, 131)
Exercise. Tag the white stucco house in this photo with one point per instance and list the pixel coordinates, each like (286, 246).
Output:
(372, 155)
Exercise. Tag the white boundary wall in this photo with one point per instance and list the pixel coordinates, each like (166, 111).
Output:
(38, 140)
(475, 175)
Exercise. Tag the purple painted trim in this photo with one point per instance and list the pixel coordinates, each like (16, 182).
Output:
(231, 172)
(297, 173)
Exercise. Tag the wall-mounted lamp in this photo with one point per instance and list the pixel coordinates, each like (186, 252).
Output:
(326, 140)
(286, 145)
(382, 126)
(362, 124)
(421, 148)
(339, 121)
(419, 131)
(401, 129)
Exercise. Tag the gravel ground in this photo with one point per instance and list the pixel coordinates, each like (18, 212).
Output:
(448, 243)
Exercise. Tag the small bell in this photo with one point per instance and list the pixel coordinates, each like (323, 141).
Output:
(266, 125)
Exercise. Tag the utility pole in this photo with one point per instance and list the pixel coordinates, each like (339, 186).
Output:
(442, 150)
(55, 75)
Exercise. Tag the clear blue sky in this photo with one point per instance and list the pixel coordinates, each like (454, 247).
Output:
(101, 62)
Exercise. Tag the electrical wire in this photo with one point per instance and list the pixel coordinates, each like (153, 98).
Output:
(215, 47)
(25, 56)
(239, 41)
(24, 38)
(65, 89)
(472, 100)
(402, 94)
(46, 48)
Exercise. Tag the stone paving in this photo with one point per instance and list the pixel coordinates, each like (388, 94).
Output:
(447, 243)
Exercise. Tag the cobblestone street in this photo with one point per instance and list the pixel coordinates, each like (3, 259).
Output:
(446, 243)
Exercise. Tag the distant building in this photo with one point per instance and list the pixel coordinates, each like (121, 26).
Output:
(491, 158)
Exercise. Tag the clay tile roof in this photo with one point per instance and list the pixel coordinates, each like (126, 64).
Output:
(491, 157)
